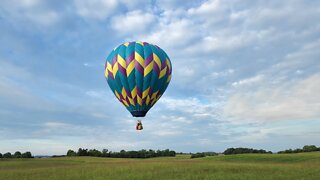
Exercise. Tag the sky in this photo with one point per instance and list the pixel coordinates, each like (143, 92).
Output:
(245, 74)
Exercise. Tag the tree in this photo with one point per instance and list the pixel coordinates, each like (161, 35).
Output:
(17, 154)
(244, 150)
(71, 153)
(198, 155)
(94, 152)
(82, 152)
(105, 153)
(7, 155)
(0, 155)
(26, 155)
(309, 148)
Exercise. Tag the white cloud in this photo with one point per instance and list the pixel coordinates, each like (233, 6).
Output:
(207, 8)
(289, 101)
(133, 22)
(97, 94)
(191, 108)
(172, 35)
(95, 9)
(34, 11)
(54, 124)
(248, 81)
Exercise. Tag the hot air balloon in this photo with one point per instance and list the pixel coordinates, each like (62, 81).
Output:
(138, 73)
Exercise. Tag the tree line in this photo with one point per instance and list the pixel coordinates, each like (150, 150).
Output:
(306, 148)
(17, 154)
(203, 154)
(241, 150)
(122, 154)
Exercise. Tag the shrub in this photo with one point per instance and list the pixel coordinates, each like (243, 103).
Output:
(7, 155)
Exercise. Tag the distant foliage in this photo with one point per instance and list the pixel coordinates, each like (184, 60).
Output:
(122, 154)
(198, 155)
(245, 150)
(71, 153)
(203, 154)
(211, 154)
(306, 148)
(7, 155)
(17, 154)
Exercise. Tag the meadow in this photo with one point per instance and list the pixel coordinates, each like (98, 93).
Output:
(241, 166)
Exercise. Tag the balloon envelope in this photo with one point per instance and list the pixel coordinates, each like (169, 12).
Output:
(138, 73)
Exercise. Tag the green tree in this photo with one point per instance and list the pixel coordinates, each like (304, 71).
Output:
(0, 155)
(309, 148)
(105, 153)
(198, 155)
(71, 153)
(82, 152)
(7, 155)
(17, 154)
(26, 155)
(244, 150)
(94, 152)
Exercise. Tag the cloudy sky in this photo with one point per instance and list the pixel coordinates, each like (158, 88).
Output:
(245, 73)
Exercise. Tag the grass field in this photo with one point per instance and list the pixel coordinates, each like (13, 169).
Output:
(245, 166)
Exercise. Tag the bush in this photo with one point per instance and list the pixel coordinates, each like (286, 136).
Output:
(122, 154)
(17, 154)
(82, 152)
(94, 152)
(245, 150)
(309, 148)
(198, 155)
(27, 155)
(71, 153)
(7, 155)
(306, 148)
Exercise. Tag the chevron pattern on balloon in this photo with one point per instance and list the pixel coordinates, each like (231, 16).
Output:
(138, 74)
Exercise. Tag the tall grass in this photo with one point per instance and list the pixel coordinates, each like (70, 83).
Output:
(244, 166)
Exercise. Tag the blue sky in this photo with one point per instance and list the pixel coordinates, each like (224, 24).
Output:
(245, 73)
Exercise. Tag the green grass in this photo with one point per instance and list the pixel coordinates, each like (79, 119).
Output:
(244, 166)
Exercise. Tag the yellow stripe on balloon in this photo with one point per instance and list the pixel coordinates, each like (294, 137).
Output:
(168, 64)
(139, 100)
(125, 102)
(124, 94)
(154, 95)
(115, 69)
(131, 101)
(153, 101)
(157, 60)
(148, 69)
(126, 44)
(109, 67)
(163, 72)
(130, 68)
(121, 61)
(106, 73)
(148, 100)
(145, 93)
(139, 58)
(134, 92)
(169, 77)
(141, 43)
(118, 96)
